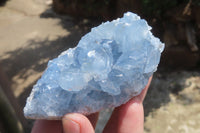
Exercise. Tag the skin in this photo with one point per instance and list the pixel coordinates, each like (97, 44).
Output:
(127, 118)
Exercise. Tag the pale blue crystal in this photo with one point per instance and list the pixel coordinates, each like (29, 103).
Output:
(110, 65)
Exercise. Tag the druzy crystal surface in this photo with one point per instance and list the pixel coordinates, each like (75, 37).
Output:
(110, 65)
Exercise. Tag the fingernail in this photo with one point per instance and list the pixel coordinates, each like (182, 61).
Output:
(70, 126)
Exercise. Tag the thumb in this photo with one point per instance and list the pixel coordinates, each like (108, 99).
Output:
(76, 123)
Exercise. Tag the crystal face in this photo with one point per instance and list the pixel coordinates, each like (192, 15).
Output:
(110, 65)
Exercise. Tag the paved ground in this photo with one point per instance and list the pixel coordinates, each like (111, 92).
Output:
(31, 34)
(173, 103)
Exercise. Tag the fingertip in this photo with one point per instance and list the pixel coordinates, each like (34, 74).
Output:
(140, 98)
(126, 118)
(69, 125)
(76, 123)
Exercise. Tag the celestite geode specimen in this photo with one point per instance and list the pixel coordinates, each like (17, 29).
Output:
(110, 65)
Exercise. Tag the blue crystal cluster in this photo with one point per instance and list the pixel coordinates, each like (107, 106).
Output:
(110, 65)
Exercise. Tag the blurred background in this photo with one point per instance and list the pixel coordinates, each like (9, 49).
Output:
(34, 31)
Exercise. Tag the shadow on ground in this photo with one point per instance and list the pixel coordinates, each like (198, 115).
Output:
(164, 84)
(31, 56)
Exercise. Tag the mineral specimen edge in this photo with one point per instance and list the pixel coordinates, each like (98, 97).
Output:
(110, 65)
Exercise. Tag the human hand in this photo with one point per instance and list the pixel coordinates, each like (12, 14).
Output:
(127, 118)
